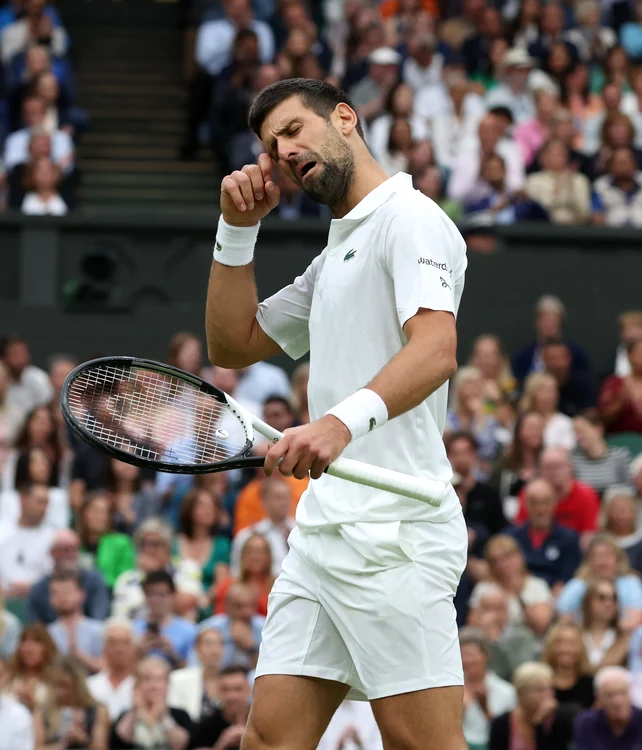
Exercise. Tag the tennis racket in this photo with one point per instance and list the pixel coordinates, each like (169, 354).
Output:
(156, 416)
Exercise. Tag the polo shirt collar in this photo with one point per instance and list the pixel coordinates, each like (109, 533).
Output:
(377, 197)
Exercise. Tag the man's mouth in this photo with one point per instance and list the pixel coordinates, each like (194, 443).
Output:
(304, 169)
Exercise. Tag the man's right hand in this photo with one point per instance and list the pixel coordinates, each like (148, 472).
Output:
(247, 196)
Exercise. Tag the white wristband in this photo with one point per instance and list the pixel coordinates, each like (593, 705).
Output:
(361, 412)
(234, 246)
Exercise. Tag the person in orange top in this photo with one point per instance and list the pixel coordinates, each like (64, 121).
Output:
(391, 8)
(255, 572)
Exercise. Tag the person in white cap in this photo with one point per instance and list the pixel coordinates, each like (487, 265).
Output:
(514, 93)
(370, 94)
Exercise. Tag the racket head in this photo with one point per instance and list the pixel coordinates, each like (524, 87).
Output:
(156, 416)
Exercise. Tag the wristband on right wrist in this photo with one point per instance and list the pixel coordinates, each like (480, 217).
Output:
(234, 246)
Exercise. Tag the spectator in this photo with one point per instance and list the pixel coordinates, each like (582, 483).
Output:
(617, 132)
(620, 521)
(617, 196)
(29, 669)
(577, 96)
(595, 462)
(132, 501)
(515, 93)
(300, 378)
(620, 400)
(631, 34)
(276, 528)
(11, 416)
(152, 722)
(399, 105)
(476, 48)
(565, 653)
(240, 626)
(575, 387)
(36, 27)
(371, 93)
(225, 727)
(278, 413)
(541, 395)
(493, 75)
(552, 552)
(489, 357)
(113, 687)
(70, 716)
(485, 694)
(255, 571)
(353, 722)
(630, 325)
(64, 553)
(529, 598)
(611, 105)
(430, 183)
(563, 193)
(537, 719)
(15, 719)
(161, 633)
(616, 723)
(606, 644)
(424, 64)
(73, 633)
(593, 41)
(29, 386)
(551, 33)
(10, 627)
(260, 381)
(604, 561)
(196, 689)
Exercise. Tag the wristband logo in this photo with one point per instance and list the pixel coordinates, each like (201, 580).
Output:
(373, 424)
(218, 246)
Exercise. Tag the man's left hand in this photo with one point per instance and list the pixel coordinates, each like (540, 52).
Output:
(308, 449)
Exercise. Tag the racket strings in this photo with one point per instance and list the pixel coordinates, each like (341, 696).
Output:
(155, 416)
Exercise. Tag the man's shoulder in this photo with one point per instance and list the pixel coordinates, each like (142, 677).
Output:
(580, 489)
(183, 626)
(590, 718)
(216, 622)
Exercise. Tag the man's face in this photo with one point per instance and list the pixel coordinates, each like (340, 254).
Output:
(210, 647)
(557, 360)
(489, 133)
(277, 414)
(17, 357)
(549, 324)
(58, 372)
(154, 553)
(65, 549)
(493, 172)
(495, 606)
(623, 165)
(556, 468)
(311, 150)
(612, 97)
(615, 697)
(240, 605)
(33, 112)
(66, 597)
(34, 505)
(35, 7)
(234, 693)
(383, 74)
(238, 12)
(491, 25)
(462, 456)
(160, 600)
(473, 661)
(540, 504)
(276, 499)
(40, 147)
(119, 648)
(552, 20)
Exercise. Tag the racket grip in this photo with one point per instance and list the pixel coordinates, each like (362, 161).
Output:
(427, 490)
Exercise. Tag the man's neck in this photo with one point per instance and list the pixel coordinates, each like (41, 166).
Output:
(563, 490)
(70, 618)
(27, 523)
(211, 672)
(540, 528)
(279, 523)
(369, 176)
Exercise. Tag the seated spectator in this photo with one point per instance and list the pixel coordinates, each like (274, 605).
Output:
(575, 386)
(576, 95)
(620, 400)
(537, 721)
(620, 520)
(552, 32)
(10, 627)
(395, 156)
(64, 552)
(225, 726)
(35, 27)
(399, 105)
(24, 560)
(489, 357)
(514, 92)
(630, 325)
(606, 643)
(42, 180)
(519, 463)
(476, 47)
(617, 132)
(529, 598)
(485, 694)
(15, 719)
(617, 196)
(30, 667)
(480, 502)
(255, 571)
(70, 715)
(354, 722)
(370, 94)
(111, 554)
(152, 722)
(113, 687)
(278, 413)
(541, 395)
(510, 645)
(11, 416)
(132, 501)
(300, 378)
(198, 539)
(160, 632)
(240, 626)
(531, 134)
(29, 386)
(595, 462)
(616, 723)
(276, 528)
(552, 552)
(565, 653)
(196, 689)
(604, 561)
(431, 183)
(565, 194)
(631, 34)
(73, 633)
(153, 541)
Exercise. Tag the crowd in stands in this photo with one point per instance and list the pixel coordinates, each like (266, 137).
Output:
(39, 122)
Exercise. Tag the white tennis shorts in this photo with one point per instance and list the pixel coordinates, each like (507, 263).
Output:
(369, 605)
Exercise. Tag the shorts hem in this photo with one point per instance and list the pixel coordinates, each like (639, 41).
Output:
(303, 670)
(387, 691)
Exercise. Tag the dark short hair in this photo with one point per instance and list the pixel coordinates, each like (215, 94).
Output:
(157, 577)
(233, 669)
(66, 574)
(274, 399)
(10, 340)
(320, 97)
(462, 435)
(502, 112)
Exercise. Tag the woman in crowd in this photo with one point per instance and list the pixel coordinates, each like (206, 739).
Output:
(186, 352)
(604, 561)
(10, 627)
(396, 154)
(620, 400)
(29, 670)
(255, 571)
(42, 180)
(400, 104)
(11, 417)
(195, 689)
(565, 653)
(617, 132)
(541, 395)
(132, 501)
(537, 722)
(198, 538)
(595, 462)
(606, 644)
(70, 718)
(525, 29)
(577, 97)
(489, 357)
(529, 598)
(452, 129)
(620, 519)
(467, 413)
(109, 552)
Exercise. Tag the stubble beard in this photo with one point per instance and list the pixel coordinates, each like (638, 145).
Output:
(336, 174)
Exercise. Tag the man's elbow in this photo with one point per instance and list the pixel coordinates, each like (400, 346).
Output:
(449, 366)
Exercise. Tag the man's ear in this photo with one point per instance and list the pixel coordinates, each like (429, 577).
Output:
(345, 118)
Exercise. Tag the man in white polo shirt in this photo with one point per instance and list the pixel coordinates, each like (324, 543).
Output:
(363, 606)
(114, 685)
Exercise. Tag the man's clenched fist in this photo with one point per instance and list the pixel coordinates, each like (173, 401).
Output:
(247, 196)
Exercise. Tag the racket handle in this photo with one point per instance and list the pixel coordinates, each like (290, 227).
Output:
(427, 490)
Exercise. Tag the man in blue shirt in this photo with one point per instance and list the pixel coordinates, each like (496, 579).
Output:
(551, 551)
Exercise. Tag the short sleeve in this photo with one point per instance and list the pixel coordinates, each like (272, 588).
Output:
(570, 598)
(426, 257)
(536, 591)
(285, 315)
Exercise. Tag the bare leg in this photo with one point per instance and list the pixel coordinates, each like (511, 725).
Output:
(291, 712)
(423, 720)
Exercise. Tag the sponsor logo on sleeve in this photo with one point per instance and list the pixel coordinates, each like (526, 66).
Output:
(434, 264)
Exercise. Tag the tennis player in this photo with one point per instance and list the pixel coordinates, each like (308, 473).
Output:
(363, 607)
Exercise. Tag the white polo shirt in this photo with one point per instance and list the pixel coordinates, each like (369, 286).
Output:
(394, 253)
